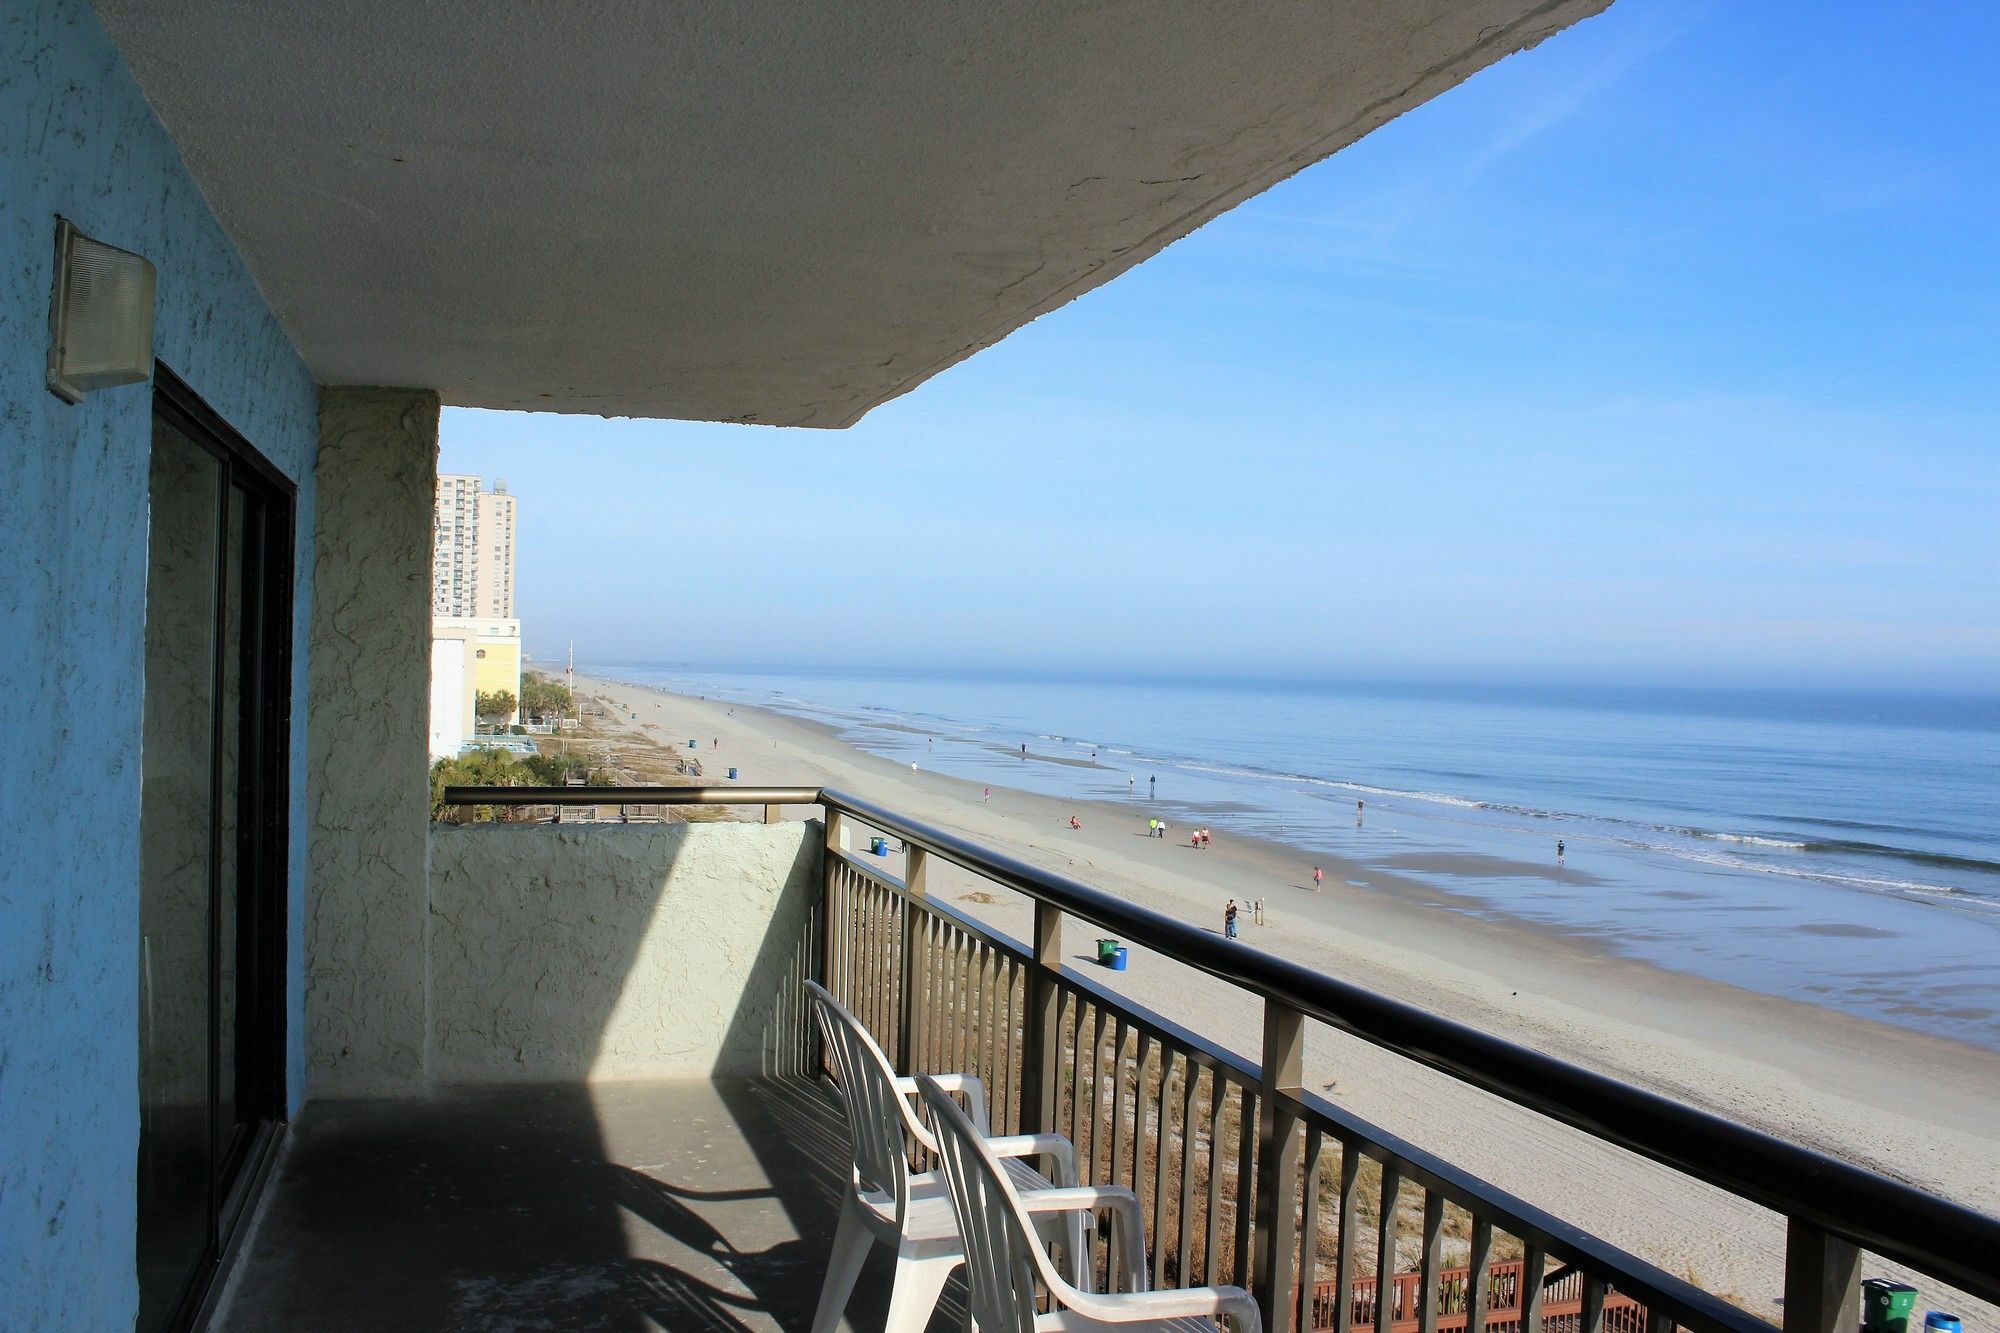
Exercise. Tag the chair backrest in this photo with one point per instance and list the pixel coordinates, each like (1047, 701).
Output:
(1002, 1256)
(876, 1112)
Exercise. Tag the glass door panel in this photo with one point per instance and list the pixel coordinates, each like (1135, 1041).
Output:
(213, 766)
(177, 866)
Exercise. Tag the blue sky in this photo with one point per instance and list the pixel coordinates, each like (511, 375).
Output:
(1666, 352)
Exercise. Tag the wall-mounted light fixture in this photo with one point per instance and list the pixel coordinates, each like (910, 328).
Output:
(100, 316)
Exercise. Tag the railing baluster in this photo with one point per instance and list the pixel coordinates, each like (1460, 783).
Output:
(1012, 1064)
(990, 1021)
(871, 960)
(1190, 1089)
(961, 1005)
(916, 880)
(1218, 1089)
(1248, 1109)
(1478, 1286)
(1345, 1256)
(1533, 1262)
(1089, 1129)
(1273, 1270)
(1385, 1245)
(943, 941)
(976, 1060)
(1591, 1318)
(1429, 1263)
(1041, 1042)
(1163, 1136)
(1822, 1281)
(1119, 1029)
(1308, 1276)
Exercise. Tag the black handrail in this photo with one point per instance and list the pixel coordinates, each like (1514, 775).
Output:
(1941, 1239)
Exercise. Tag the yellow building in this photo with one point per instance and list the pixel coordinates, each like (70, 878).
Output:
(470, 656)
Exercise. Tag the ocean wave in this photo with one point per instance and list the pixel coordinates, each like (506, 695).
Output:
(1900, 887)
(1749, 839)
(1767, 841)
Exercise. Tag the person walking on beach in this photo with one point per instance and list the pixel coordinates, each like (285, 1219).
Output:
(1559, 851)
(986, 795)
(1319, 878)
(1229, 920)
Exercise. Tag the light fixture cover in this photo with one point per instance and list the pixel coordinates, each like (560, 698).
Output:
(100, 316)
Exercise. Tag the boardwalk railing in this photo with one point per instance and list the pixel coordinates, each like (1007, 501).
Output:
(1245, 1176)
(1562, 1302)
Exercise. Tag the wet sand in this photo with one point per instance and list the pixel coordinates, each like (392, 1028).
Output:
(1924, 1109)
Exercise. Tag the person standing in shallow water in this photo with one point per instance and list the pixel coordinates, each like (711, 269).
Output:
(1152, 787)
(1229, 919)
(1559, 851)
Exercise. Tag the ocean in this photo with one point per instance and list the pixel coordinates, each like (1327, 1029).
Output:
(1842, 850)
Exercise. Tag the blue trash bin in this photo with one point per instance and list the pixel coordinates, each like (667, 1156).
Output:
(1119, 959)
(732, 775)
(879, 846)
(1937, 1321)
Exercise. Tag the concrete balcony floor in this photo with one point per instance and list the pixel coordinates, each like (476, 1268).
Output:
(612, 1206)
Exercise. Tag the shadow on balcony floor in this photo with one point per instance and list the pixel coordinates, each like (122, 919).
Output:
(615, 1206)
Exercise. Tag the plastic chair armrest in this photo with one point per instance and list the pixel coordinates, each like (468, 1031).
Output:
(1039, 1145)
(967, 1084)
(1129, 1233)
(1232, 1303)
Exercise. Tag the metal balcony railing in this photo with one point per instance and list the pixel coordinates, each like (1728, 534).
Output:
(1245, 1175)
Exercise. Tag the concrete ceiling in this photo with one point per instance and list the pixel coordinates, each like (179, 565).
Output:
(748, 210)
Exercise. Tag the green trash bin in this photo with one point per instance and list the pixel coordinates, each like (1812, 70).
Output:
(1886, 1306)
(1105, 950)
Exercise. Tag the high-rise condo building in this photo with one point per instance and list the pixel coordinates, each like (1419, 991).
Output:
(472, 564)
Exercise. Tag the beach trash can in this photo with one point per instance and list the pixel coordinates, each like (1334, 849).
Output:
(1119, 958)
(879, 846)
(690, 745)
(1105, 948)
(1937, 1321)
(732, 775)
(1886, 1306)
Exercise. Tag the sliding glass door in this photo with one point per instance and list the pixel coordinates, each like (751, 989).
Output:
(212, 842)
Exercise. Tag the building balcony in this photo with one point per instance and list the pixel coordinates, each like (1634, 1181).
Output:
(622, 1120)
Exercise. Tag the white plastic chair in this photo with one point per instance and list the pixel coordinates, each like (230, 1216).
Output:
(1004, 1259)
(887, 1203)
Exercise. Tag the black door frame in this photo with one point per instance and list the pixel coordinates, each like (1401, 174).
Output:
(264, 569)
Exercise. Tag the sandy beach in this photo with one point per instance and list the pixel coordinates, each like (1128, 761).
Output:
(1923, 1109)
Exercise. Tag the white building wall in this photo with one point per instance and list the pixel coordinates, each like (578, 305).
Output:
(449, 686)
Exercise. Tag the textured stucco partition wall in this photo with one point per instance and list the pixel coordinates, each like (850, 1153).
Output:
(618, 951)
(76, 138)
(368, 779)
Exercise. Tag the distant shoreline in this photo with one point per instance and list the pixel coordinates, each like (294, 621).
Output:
(1785, 1065)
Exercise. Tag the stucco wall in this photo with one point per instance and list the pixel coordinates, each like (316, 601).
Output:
(368, 780)
(76, 138)
(618, 951)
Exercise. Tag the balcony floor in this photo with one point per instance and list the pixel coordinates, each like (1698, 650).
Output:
(612, 1206)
